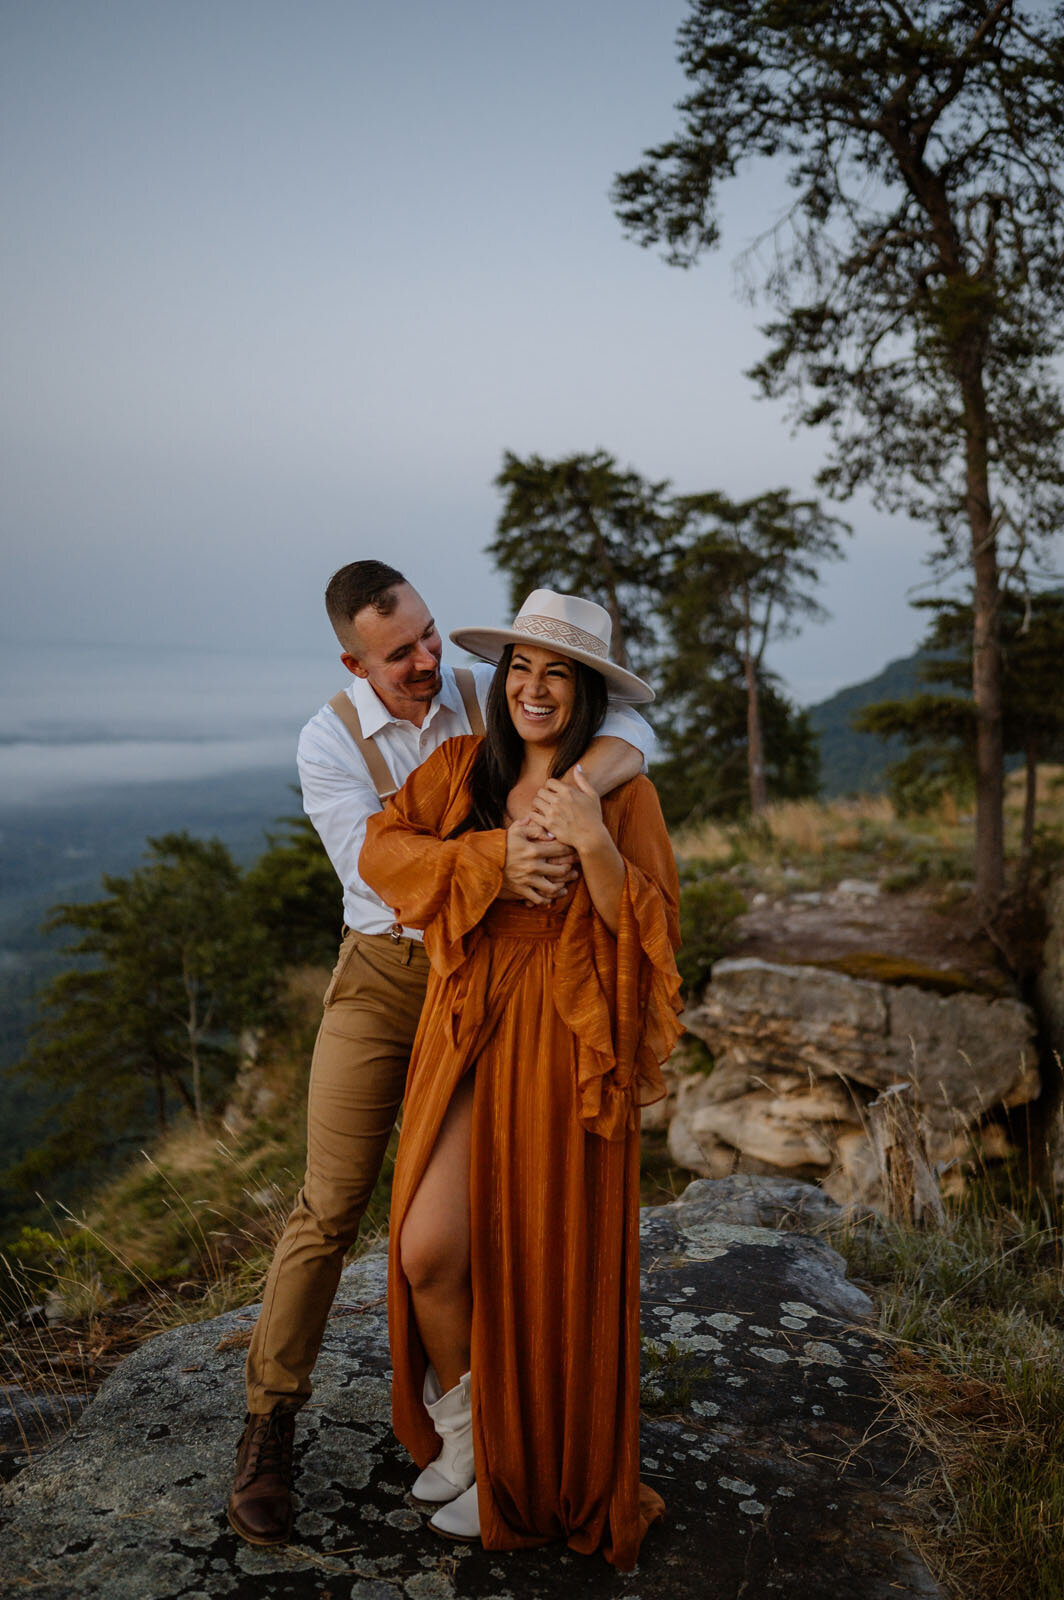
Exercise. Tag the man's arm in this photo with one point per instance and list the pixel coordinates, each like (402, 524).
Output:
(607, 762)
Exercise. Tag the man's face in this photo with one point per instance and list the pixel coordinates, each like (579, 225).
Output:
(399, 655)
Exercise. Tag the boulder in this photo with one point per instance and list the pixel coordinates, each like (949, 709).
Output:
(764, 1427)
(30, 1422)
(762, 1202)
(802, 1050)
(964, 1052)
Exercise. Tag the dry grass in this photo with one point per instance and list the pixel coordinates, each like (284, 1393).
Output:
(811, 827)
(975, 1315)
(863, 836)
(704, 841)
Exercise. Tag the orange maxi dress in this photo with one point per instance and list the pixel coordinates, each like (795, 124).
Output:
(564, 1026)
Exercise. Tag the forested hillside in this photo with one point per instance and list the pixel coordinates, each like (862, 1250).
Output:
(855, 763)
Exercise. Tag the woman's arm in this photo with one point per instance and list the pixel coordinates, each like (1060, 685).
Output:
(408, 859)
(572, 813)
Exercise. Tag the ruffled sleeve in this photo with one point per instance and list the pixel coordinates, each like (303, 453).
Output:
(441, 885)
(620, 997)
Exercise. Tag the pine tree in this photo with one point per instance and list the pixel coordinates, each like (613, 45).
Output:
(916, 276)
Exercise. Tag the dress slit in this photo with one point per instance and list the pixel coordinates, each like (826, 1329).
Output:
(565, 1025)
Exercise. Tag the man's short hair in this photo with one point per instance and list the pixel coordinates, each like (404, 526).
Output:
(360, 584)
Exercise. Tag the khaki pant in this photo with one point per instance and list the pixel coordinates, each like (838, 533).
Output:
(357, 1075)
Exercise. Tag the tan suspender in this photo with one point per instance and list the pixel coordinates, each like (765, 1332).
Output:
(467, 688)
(383, 781)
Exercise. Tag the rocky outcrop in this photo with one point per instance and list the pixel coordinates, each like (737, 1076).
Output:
(800, 1051)
(29, 1423)
(764, 1428)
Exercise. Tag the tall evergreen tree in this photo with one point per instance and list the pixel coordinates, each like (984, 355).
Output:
(916, 276)
(292, 894)
(752, 566)
(699, 586)
(582, 525)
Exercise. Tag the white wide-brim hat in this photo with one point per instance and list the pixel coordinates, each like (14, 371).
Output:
(563, 622)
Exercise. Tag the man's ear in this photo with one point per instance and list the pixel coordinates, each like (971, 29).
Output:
(353, 665)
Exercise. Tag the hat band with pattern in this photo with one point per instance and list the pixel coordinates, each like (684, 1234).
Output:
(560, 632)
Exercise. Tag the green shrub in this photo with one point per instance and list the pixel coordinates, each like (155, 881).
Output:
(709, 907)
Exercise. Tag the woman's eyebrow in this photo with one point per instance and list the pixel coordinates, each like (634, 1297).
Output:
(517, 659)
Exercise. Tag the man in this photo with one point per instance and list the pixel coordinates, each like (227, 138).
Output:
(407, 704)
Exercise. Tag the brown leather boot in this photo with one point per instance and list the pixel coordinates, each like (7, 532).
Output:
(260, 1505)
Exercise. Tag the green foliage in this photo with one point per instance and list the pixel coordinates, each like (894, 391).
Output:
(740, 575)
(941, 731)
(915, 276)
(709, 906)
(850, 762)
(743, 572)
(583, 526)
(697, 586)
(178, 968)
(939, 728)
(704, 770)
(670, 1379)
(291, 894)
(922, 247)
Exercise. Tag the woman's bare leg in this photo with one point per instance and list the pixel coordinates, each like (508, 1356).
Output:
(434, 1245)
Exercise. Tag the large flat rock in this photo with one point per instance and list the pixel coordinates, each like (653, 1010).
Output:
(964, 1053)
(764, 1429)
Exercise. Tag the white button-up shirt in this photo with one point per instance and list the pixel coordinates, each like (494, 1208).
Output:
(338, 792)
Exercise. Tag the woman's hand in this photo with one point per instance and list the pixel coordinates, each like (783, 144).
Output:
(539, 868)
(571, 812)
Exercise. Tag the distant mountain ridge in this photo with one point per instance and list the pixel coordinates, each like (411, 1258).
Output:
(856, 763)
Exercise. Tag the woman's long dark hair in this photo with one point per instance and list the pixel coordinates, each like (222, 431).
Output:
(498, 762)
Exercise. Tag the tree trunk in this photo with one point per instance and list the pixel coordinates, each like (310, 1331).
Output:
(754, 754)
(609, 571)
(160, 1100)
(197, 1098)
(986, 660)
(192, 1028)
(182, 1088)
(1030, 806)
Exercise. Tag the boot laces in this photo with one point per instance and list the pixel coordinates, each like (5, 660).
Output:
(271, 1446)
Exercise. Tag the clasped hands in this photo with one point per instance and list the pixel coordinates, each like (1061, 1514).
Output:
(543, 848)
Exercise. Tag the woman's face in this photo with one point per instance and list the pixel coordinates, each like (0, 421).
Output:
(540, 688)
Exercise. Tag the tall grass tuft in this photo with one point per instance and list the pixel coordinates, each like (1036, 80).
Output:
(975, 1316)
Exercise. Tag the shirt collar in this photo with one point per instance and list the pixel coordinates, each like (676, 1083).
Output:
(374, 715)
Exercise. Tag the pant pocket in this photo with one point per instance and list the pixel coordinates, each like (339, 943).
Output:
(347, 950)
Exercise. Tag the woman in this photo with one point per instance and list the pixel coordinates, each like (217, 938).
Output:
(514, 1267)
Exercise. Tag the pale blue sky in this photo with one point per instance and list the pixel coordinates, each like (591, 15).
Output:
(283, 280)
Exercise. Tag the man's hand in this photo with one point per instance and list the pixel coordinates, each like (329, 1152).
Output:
(538, 869)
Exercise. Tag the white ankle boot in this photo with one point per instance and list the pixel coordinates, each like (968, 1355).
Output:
(452, 1416)
(461, 1519)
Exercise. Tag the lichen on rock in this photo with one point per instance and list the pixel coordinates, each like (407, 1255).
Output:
(764, 1429)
